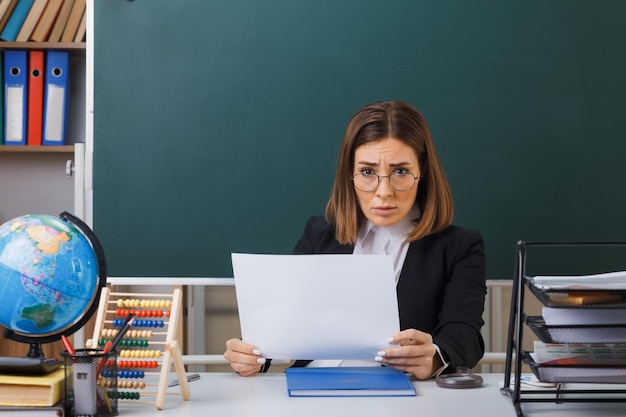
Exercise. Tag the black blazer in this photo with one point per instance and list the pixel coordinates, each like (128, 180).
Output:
(441, 289)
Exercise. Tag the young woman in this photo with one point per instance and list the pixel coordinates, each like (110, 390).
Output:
(390, 196)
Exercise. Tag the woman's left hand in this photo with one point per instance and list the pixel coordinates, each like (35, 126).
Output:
(416, 354)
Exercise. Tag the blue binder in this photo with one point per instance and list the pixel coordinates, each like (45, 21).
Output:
(15, 22)
(56, 97)
(377, 381)
(15, 96)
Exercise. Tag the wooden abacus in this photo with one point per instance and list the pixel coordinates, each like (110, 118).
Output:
(157, 317)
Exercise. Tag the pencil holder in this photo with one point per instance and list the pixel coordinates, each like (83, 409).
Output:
(90, 383)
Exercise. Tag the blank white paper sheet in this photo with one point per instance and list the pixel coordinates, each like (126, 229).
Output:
(316, 306)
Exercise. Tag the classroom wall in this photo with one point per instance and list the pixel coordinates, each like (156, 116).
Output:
(217, 123)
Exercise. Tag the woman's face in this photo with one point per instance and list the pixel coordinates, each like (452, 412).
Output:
(385, 206)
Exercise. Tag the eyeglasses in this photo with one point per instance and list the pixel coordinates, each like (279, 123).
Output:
(399, 181)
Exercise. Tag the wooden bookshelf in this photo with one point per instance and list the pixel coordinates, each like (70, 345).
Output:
(37, 149)
(42, 170)
(74, 48)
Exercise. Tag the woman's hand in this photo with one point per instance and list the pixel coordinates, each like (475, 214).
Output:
(416, 354)
(243, 357)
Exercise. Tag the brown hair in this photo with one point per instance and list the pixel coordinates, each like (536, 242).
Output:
(378, 121)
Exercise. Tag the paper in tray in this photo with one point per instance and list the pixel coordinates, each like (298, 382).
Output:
(576, 334)
(576, 373)
(579, 298)
(604, 281)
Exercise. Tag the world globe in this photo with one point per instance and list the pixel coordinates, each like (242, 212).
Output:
(52, 270)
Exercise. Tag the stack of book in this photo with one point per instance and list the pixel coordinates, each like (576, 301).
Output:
(33, 395)
(43, 20)
(35, 97)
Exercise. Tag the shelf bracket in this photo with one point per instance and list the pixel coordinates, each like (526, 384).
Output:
(69, 168)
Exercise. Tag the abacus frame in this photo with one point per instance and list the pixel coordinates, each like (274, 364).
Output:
(171, 353)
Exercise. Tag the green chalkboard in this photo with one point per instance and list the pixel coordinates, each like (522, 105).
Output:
(217, 123)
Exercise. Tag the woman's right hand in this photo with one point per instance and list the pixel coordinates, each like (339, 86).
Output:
(244, 358)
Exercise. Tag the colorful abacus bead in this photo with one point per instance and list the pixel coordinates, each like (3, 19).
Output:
(128, 395)
(148, 323)
(129, 353)
(131, 384)
(134, 343)
(131, 374)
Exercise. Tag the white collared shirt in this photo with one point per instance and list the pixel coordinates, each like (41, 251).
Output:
(387, 240)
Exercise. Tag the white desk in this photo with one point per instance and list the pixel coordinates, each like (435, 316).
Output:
(228, 394)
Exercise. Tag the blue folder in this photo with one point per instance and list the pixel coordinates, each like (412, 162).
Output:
(15, 96)
(377, 381)
(56, 97)
(15, 22)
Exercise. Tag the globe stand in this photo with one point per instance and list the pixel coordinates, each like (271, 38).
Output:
(34, 363)
(35, 350)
